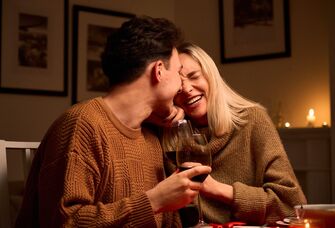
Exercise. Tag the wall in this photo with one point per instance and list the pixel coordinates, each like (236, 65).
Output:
(332, 90)
(298, 82)
(27, 117)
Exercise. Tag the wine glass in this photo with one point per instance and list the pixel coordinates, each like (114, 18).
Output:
(191, 151)
(182, 128)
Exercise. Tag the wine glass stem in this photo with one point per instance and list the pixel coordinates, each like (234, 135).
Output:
(201, 216)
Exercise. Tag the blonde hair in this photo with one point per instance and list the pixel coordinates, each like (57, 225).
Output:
(225, 107)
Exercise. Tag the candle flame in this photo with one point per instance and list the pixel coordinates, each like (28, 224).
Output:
(307, 225)
(311, 112)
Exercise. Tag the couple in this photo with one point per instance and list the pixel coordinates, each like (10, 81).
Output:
(98, 166)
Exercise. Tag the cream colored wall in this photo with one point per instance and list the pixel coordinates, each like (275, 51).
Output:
(27, 117)
(298, 82)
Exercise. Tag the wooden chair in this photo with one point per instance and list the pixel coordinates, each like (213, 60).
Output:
(27, 150)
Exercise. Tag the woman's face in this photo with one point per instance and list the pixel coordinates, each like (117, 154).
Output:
(193, 96)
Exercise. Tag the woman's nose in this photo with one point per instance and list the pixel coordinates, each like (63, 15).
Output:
(186, 86)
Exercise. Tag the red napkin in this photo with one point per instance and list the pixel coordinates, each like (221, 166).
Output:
(227, 225)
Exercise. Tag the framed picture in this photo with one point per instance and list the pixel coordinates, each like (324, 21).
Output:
(254, 29)
(34, 47)
(91, 26)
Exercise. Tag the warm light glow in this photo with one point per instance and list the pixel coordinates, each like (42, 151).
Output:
(311, 112)
(324, 124)
(310, 117)
(307, 225)
(287, 124)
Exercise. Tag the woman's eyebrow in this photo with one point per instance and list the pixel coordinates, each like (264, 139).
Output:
(180, 68)
(192, 73)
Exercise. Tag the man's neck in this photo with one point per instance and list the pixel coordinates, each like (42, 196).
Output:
(130, 104)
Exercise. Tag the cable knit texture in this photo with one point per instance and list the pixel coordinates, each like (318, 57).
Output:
(255, 163)
(93, 171)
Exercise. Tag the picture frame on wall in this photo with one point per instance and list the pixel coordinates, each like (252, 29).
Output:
(91, 26)
(254, 30)
(34, 47)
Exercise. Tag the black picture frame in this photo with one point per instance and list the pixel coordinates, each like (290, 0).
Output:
(20, 76)
(90, 29)
(248, 33)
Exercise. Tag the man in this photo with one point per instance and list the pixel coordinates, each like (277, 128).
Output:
(97, 166)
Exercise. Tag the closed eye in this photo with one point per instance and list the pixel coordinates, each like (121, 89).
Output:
(194, 76)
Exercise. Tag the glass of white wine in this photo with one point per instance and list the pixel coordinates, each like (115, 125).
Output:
(192, 151)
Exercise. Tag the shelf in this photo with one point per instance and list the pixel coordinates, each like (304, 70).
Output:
(316, 132)
(309, 152)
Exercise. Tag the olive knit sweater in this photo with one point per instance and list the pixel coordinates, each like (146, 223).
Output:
(252, 160)
(92, 171)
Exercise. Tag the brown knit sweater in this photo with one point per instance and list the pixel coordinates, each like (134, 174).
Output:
(93, 171)
(255, 163)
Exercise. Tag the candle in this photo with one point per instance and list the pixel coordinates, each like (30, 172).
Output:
(287, 124)
(324, 124)
(310, 118)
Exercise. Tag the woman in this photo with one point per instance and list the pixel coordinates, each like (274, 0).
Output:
(252, 179)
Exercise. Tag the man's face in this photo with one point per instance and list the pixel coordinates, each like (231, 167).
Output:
(170, 82)
(173, 72)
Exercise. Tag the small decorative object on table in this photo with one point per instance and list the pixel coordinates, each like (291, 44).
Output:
(310, 118)
(316, 215)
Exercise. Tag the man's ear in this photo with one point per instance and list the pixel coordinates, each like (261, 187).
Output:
(157, 71)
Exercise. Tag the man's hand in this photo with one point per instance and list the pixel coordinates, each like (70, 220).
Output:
(177, 190)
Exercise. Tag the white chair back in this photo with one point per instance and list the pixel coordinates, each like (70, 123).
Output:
(28, 149)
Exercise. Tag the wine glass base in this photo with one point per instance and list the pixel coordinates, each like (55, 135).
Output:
(202, 224)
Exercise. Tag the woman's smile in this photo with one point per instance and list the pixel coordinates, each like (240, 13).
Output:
(193, 95)
(193, 100)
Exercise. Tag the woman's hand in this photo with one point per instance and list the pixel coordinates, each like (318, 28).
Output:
(176, 113)
(217, 190)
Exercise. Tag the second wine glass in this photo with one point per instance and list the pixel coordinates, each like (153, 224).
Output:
(192, 151)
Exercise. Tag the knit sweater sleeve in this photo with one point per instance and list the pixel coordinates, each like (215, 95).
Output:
(278, 189)
(81, 207)
(72, 182)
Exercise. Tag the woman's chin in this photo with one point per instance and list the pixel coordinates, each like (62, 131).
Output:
(200, 120)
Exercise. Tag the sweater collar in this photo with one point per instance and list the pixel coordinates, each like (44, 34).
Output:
(216, 144)
(128, 132)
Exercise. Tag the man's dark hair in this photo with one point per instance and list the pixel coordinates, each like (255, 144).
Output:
(135, 44)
